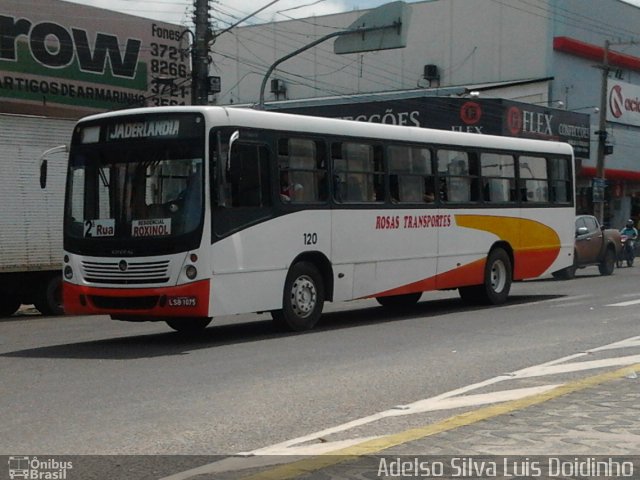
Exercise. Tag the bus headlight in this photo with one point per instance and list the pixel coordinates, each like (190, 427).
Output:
(68, 272)
(192, 272)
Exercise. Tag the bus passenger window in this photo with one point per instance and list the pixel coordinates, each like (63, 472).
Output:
(302, 170)
(561, 190)
(249, 175)
(411, 175)
(458, 172)
(498, 177)
(534, 186)
(358, 172)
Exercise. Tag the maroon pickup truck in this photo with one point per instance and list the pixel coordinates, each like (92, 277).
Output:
(594, 245)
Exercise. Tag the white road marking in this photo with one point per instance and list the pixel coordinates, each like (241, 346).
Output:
(539, 371)
(268, 458)
(627, 343)
(432, 404)
(284, 452)
(551, 300)
(567, 305)
(624, 304)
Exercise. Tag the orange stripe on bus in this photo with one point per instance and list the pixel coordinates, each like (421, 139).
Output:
(535, 247)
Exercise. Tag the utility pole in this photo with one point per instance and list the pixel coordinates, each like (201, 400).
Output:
(599, 181)
(598, 206)
(200, 49)
(200, 54)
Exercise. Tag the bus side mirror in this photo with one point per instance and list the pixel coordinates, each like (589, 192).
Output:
(234, 136)
(43, 163)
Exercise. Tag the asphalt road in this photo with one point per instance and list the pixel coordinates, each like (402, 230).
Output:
(89, 385)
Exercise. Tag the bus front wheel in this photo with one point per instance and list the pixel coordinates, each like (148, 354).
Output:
(49, 297)
(302, 300)
(497, 281)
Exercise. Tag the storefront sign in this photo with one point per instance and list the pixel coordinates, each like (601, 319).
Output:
(482, 116)
(623, 103)
(92, 60)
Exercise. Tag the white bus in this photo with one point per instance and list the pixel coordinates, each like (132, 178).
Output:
(182, 214)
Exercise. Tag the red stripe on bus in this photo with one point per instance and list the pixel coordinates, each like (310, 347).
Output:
(528, 264)
(533, 263)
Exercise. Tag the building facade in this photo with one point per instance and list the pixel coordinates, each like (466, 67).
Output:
(544, 53)
(67, 60)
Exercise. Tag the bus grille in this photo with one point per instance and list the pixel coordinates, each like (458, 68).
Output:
(124, 303)
(135, 273)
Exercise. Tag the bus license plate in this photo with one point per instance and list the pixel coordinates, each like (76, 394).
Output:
(182, 301)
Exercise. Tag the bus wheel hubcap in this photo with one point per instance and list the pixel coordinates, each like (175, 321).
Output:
(498, 276)
(303, 296)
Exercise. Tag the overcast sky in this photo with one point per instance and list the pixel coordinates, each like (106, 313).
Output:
(225, 11)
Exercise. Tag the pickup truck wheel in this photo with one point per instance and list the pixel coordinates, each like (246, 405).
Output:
(608, 262)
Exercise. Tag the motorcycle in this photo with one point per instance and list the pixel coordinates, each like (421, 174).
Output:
(626, 252)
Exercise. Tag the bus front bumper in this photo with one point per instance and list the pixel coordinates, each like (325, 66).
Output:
(190, 300)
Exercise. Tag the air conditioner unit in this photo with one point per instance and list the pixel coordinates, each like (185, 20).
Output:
(278, 86)
(431, 72)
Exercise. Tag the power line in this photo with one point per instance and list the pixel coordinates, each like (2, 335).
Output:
(386, 73)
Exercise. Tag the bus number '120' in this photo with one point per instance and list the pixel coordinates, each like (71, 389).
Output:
(310, 238)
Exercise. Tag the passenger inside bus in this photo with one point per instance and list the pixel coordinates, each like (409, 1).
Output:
(289, 191)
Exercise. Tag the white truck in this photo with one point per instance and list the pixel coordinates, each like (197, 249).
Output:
(31, 217)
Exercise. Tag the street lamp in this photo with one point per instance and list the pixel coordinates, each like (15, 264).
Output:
(391, 17)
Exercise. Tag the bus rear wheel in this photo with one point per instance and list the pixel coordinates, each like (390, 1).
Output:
(399, 301)
(189, 326)
(497, 281)
(302, 299)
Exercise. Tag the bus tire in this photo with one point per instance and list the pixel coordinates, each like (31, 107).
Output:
(48, 299)
(189, 326)
(302, 299)
(399, 301)
(497, 281)
(8, 306)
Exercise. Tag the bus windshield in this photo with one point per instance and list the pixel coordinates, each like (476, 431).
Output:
(144, 191)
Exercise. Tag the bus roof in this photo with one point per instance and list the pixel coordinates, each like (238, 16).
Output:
(269, 120)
